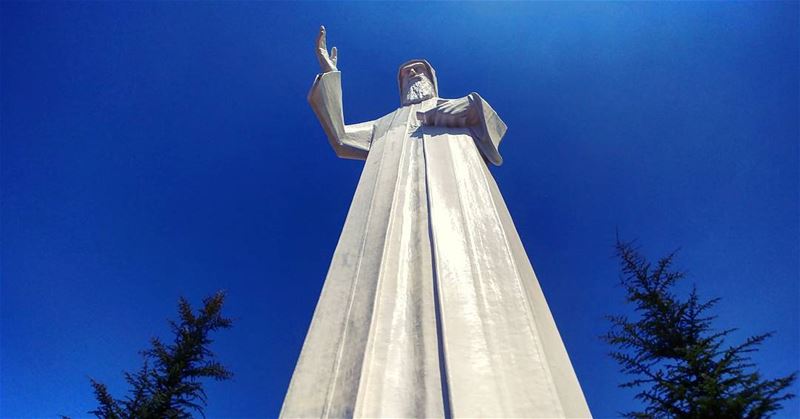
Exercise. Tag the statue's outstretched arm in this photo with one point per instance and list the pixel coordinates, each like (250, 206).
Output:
(325, 97)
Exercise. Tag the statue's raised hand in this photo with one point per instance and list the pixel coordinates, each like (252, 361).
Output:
(327, 62)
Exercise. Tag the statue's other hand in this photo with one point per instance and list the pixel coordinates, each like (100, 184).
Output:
(327, 62)
(452, 113)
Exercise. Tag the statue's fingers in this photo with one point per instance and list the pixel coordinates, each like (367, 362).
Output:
(459, 105)
(322, 56)
(334, 55)
(452, 107)
(442, 107)
(321, 41)
(449, 108)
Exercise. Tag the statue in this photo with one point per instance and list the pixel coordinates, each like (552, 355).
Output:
(430, 307)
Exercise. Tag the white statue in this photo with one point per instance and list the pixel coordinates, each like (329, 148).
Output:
(430, 307)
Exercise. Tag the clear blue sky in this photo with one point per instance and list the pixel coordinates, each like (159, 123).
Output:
(152, 150)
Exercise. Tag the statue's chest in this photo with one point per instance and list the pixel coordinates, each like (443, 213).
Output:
(405, 124)
(413, 119)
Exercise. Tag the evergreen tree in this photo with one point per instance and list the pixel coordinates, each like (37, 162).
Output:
(171, 388)
(677, 360)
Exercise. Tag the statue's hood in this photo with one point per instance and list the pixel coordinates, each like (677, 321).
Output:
(431, 75)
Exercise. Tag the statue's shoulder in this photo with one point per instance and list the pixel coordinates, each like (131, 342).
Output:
(385, 122)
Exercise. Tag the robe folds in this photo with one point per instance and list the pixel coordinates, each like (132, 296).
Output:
(430, 307)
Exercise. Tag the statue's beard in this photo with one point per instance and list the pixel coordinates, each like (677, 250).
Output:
(417, 91)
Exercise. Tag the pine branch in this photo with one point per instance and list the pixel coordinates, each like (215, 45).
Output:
(674, 355)
(108, 408)
(171, 388)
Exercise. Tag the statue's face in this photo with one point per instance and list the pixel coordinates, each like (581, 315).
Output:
(417, 86)
(412, 70)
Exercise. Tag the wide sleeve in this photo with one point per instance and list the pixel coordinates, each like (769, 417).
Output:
(325, 97)
(488, 131)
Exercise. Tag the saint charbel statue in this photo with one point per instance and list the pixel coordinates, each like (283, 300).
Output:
(430, 307)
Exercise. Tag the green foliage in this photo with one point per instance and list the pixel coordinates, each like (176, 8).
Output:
(171, 388)
(677, 360)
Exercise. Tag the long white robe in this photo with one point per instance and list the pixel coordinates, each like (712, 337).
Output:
(430, 307)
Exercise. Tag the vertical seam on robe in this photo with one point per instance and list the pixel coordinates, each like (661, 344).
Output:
(370, 345)
(332, 384)
(524, 295)
(437, 306)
